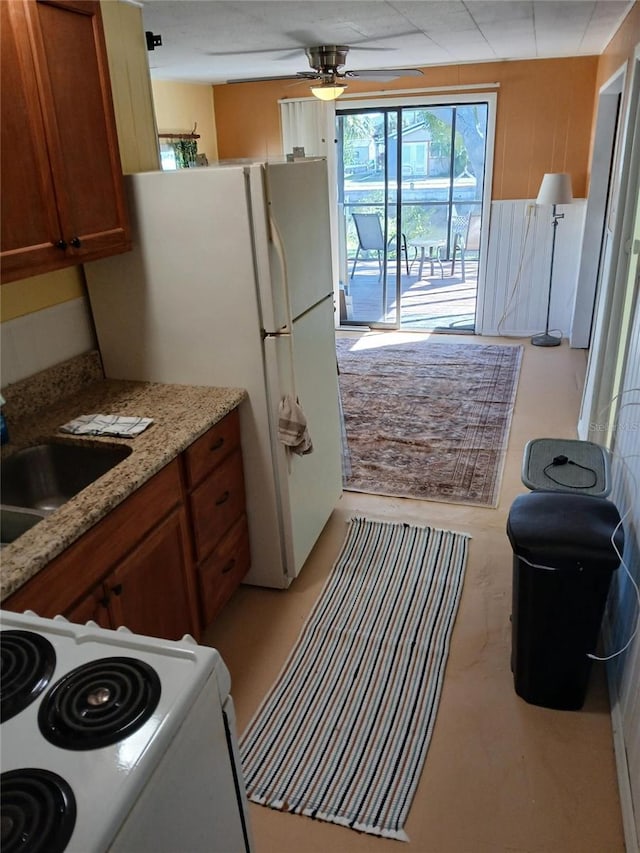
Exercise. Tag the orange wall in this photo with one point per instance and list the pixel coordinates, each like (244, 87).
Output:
(543, 123)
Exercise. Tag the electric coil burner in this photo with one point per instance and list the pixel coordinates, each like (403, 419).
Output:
(38, 812)
(112, 742)
(27, 661)
(99, 703)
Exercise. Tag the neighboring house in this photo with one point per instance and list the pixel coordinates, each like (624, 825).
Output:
(546, 118)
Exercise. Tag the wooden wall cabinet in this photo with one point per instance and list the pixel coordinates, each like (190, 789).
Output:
(166, 560)
(62, 190)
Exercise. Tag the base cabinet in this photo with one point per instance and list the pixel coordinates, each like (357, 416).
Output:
(92, 607)
(153, 564)
(221, 572)
(147, 590)
(217, 505)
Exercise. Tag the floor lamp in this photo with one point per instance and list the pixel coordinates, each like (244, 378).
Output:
(555, 189)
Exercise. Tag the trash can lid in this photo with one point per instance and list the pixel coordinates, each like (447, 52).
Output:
(582, 466)
(564, 530)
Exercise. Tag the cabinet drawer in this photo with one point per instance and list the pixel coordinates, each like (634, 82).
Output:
(221, 573)
(212, 447)
(217, 503)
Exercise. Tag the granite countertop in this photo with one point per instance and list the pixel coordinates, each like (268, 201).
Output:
(181, 413)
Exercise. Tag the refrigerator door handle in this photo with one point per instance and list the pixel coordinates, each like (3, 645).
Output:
(276, 239)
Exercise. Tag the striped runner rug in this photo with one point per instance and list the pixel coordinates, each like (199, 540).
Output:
(343, 733)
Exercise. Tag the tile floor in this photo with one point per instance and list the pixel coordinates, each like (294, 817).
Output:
(501, 776)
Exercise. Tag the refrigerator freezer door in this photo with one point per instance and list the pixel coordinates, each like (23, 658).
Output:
(309, 485)
(181, 307)
(298, 209)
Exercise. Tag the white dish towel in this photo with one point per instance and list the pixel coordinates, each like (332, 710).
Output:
(292, 426)
(116, 425)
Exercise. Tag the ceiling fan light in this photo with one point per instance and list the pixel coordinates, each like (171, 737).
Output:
(328, 91)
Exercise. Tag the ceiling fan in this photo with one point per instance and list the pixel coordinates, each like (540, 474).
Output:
(327, 60)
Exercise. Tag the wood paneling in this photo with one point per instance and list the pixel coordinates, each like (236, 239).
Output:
(544, 117)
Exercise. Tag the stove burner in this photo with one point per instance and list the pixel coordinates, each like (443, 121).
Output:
(27, 661)
(38, 812)
(99, 703)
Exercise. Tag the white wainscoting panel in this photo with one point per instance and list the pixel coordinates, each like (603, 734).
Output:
(518, 266)
(622, 610)
(36, 341)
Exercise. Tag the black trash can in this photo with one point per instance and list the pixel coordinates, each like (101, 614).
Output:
(563, 561)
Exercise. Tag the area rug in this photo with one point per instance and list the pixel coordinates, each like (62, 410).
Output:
(425, 419)
(343, 733)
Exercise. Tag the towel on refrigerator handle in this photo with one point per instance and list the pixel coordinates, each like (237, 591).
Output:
(292, 426)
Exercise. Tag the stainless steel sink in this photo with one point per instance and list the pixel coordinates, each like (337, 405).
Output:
(45, 476)
(14, 521)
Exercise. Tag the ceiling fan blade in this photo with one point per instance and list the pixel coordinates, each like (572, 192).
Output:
(301, 76)
(264, 79)
(383, 74)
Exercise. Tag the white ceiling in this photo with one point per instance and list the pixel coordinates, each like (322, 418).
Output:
(212, 41)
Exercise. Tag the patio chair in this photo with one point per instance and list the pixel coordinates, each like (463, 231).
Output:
(370, 237)
(466, 238)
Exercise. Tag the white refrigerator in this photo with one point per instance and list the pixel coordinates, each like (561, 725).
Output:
(229, 283)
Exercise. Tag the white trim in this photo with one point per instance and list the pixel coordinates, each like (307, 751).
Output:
(428, 90)
(631, 840)
(607, 130)
(599, 380)
(492, 101)
(432, 99)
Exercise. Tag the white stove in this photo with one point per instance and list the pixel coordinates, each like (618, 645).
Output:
(115, 742)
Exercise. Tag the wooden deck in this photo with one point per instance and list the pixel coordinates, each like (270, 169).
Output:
(431, 303)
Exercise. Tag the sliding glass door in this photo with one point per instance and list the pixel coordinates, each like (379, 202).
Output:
(410, 191)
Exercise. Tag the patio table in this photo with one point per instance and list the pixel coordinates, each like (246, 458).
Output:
(430, 251)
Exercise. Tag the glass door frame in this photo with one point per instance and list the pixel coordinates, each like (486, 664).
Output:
(385, 110)
(378, 102)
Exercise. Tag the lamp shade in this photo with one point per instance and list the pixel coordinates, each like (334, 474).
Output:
(555, 189)
(328, 91)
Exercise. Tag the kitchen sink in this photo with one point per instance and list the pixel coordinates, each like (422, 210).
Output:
(14, 521)
(45, 476)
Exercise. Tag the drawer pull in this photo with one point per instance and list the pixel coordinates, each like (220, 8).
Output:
(117, 589)
(217, 445)
(223, 498)
(229, 566)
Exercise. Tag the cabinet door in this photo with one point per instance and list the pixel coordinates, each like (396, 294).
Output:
(147, 592)
(30, 225)
(70, 56)
(62, 191)
(93, 606)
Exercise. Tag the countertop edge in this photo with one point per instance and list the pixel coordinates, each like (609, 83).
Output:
(181, 414)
